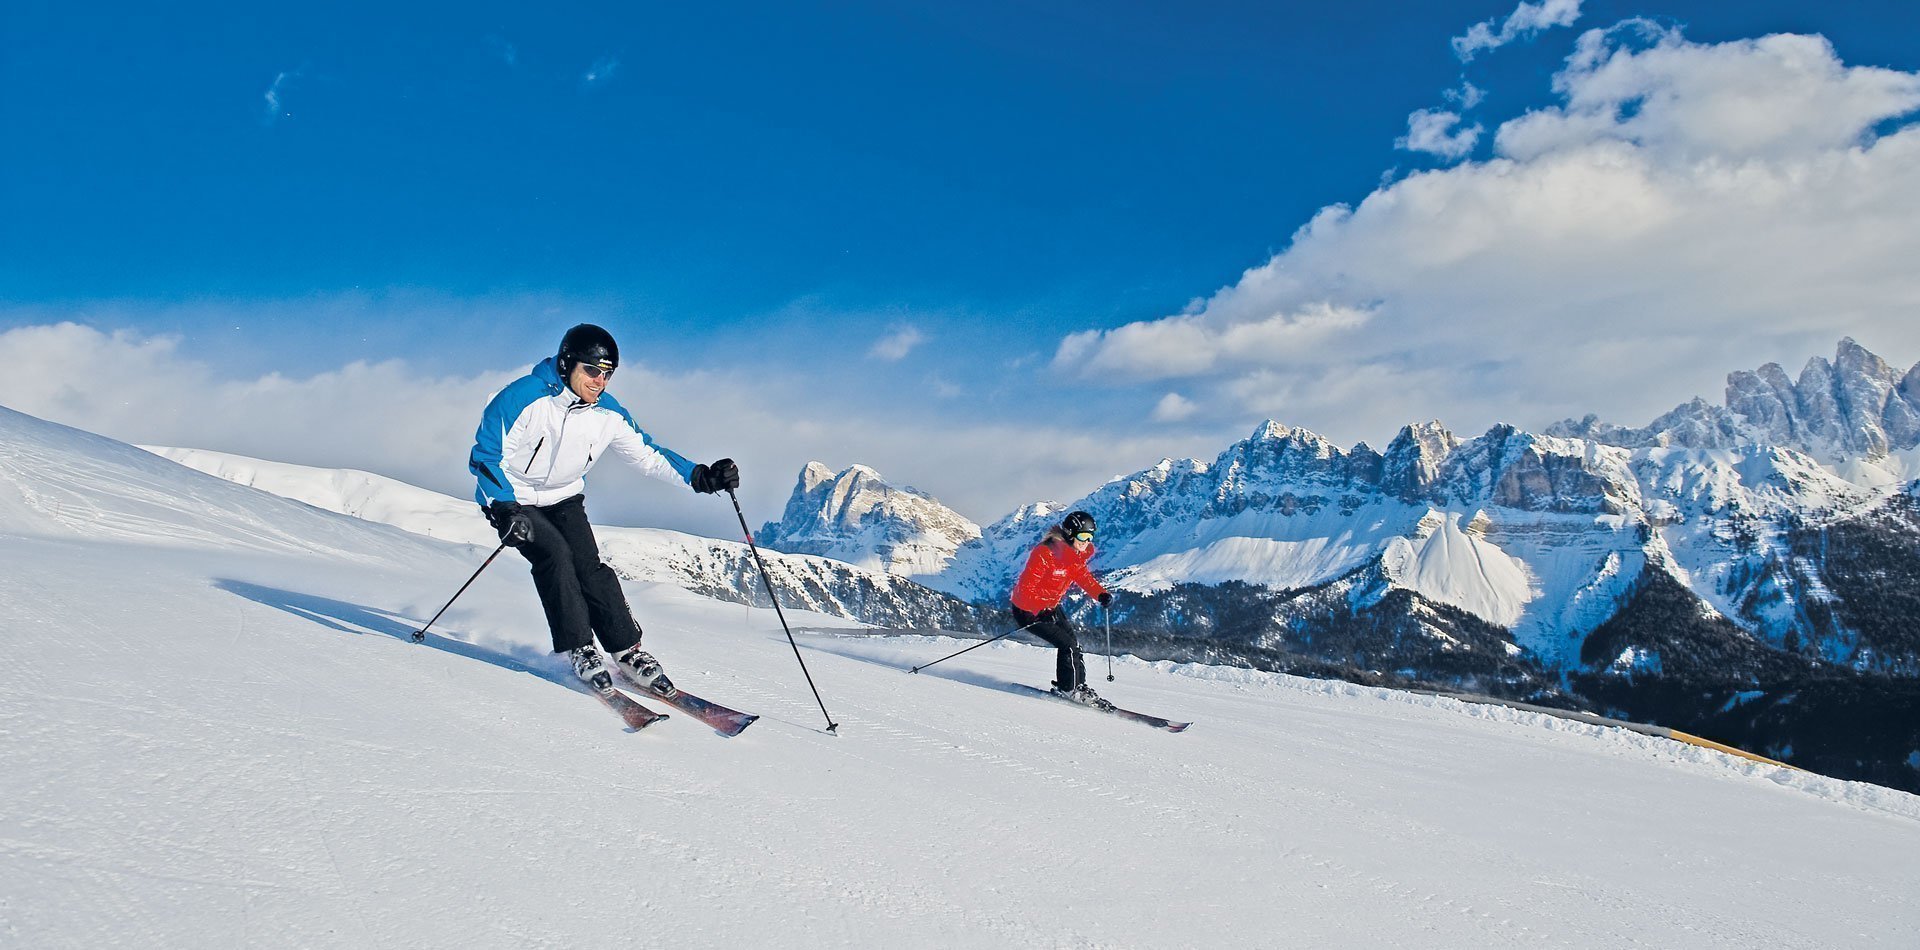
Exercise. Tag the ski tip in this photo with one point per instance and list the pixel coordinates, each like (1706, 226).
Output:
(734, 729)
(637, 720)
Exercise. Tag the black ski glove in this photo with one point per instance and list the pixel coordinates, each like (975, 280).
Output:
(513, 524)
(720, 476)
(1106, 599)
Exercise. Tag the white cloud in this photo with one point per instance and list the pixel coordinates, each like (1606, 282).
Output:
(275, 109)
(601, 72)
(1219, 338)
(1686, 210)
(898, 342)
(143, 388)
(1174, 407)
(1526, 20)
(415, 422)
(1775, 98)
(1433, 131)
(1467, 96)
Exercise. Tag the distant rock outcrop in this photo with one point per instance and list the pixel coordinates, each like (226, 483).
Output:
(858, 517)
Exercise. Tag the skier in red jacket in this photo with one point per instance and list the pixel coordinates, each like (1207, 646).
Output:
(1058, 562)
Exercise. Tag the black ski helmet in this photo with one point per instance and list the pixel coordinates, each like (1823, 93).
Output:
(1076, 523)
(586, 343)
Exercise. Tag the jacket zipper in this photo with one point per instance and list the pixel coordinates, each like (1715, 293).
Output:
(554, 459)
(536, 454)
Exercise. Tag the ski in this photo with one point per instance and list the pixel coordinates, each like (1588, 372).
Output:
(1154, 721)
(636, 716)
(727, 722)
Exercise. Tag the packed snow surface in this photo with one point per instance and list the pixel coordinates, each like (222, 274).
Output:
(216, 734)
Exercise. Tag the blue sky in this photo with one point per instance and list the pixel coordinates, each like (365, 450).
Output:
(1030, 171)
(759, 198)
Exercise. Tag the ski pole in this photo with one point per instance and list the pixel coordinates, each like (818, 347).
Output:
(832, 727)
(974, 647)
(1107, 612)
(420, 635)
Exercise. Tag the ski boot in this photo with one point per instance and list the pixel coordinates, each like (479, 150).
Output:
(1084, 695)
(587, 666)
(645, 670)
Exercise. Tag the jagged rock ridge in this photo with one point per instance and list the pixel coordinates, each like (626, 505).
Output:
(1853, 407)
(858, 517)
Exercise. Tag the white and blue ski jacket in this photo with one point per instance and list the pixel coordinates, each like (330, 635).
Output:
(537, 440)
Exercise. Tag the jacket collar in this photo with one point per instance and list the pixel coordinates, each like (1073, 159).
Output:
(548, 372)
(1057, 540)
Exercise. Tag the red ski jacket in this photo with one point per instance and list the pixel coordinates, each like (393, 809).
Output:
(1051, 569)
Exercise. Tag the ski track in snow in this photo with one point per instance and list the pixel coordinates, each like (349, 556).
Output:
(215, 734)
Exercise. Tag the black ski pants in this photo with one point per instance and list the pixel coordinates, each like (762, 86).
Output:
(580, 593)
(1070, 667)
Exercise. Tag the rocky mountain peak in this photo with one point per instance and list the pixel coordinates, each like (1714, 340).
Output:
(1414, 458)
(1272, 430)
(1854, 406)
(856, 515)
(1276, 452)
(813, 475)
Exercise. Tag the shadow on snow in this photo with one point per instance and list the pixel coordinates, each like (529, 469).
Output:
(360, 620)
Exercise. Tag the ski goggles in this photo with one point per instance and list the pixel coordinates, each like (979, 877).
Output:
(596, 371)
(1084, 536)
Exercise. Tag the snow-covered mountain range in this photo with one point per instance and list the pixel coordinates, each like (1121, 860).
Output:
(1523, 563)
(1541, 534)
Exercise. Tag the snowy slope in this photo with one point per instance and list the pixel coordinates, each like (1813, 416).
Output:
(362, 495)
(701, 565)
(217, 735)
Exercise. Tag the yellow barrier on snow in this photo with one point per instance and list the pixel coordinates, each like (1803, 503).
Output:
(1591, 719)
(1720, 747)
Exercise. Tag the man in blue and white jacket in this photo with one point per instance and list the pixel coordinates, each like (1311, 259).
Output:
(537, 440)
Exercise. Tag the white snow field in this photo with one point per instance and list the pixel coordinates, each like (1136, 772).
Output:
(214, 733)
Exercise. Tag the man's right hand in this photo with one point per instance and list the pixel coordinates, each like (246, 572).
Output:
(515, 527)
(718, 477)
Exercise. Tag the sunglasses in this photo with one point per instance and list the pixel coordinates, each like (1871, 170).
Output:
(1084, 536)
(595, 372)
